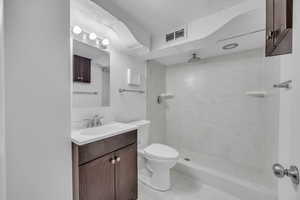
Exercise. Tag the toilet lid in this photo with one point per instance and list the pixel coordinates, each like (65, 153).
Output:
(162, 152)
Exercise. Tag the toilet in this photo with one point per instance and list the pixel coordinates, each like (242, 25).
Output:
(154, 160)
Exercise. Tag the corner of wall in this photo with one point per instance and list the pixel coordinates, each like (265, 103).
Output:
(2, 107)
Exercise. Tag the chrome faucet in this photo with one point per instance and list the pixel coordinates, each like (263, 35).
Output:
(98, 120)
(95, 121)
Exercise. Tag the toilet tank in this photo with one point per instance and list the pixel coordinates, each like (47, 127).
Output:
(143, 132)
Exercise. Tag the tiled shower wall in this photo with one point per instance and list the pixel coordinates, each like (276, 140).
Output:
(213, 121)
(156, 113)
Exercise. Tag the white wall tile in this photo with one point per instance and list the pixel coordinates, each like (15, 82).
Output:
(127, 106)
(211, 116)
(156, 113)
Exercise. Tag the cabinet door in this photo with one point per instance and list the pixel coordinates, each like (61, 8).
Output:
(279, 27)
(86, 70)
(282, 17)
(76, 68)
(96, 179)
(270, 27)
(126, 173)
(81, 69)
(283, 24)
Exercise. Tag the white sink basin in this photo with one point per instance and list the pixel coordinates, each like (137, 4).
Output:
(88, 135)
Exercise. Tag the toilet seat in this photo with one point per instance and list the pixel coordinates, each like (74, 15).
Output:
(161, 152)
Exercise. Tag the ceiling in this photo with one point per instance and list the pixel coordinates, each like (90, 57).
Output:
(235, 21)
(157, 16)
(93, 18)
(246, 42)
(247, 30)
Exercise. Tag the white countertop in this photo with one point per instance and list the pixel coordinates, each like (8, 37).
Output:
(88, 135)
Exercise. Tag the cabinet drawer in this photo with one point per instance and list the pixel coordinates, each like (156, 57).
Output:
(97, 149)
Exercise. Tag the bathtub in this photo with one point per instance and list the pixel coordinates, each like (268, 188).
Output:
(240, 188)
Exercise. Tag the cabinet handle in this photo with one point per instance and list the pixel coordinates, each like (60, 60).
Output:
(113, 161)
(270, 35)
(118, 159)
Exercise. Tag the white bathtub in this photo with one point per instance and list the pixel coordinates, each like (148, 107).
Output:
(242, 189)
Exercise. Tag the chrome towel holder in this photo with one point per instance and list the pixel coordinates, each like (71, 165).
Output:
(85, 92)
(286, 85)
(122, 90)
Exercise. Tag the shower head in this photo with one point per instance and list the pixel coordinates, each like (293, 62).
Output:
(194, 58)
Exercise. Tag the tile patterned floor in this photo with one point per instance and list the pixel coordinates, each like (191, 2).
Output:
(184, 188)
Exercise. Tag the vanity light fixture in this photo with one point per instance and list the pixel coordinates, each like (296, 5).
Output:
(105, 42)
(77, 30)
(92, 36)
(84, 36)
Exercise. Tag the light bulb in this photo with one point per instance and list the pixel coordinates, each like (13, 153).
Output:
(105, 42)
(92, 36)
(77, 30)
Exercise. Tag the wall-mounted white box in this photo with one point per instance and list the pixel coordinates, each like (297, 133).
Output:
(133, 77)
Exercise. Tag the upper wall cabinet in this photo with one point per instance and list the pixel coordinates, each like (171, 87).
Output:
(279, 37)
(81, 69)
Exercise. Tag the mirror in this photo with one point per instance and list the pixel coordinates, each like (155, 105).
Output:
(91, 76)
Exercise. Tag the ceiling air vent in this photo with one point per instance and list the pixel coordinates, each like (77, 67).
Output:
(179, 34)
(170, 37)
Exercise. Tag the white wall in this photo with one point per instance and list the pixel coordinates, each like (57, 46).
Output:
(213, 121)
(2, 129)
(38, 85)
(128, 106)
(271, 76)
(156, 113)
(123, 107)
(289, 126)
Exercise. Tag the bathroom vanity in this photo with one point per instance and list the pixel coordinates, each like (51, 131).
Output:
(105, 163)
(104, 156)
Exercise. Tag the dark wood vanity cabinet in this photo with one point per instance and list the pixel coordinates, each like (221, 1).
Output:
(96, 180)
(81, 69)
(279, 27)
(107, 169)
(126, 173)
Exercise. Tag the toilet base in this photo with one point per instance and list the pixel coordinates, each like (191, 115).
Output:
(145, 176)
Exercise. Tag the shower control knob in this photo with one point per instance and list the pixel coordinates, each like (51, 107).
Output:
(292, 172)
